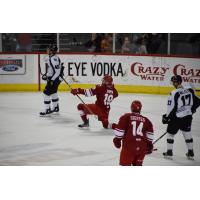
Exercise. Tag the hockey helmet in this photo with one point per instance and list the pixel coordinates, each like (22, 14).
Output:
(107, 80)
(53, 48)
(176, 79)
(136, 106)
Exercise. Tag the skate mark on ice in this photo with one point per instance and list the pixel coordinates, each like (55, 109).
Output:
(43, 157)
(101, 132)
(60, 119)
(23, 147)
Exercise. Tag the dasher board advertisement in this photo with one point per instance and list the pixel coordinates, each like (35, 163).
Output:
(12, 64)
(131, 70)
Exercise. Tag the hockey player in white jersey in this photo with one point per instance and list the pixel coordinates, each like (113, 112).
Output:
(182, 103)
(54, 71)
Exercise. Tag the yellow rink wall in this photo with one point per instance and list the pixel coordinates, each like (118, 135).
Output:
(64, 87)
(18, 87)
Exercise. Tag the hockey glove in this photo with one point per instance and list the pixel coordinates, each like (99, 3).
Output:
(74, 91)
(50, 82)
(165, 119)
(44, 77)
(77, 91)
(114, 125)
(193, 110)
(149, 148)
(117, 142)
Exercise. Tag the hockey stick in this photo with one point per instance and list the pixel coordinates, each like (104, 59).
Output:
(79, 97)
(40, 70)
(160, 137)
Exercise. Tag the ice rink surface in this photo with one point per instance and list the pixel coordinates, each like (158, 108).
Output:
(27, 139)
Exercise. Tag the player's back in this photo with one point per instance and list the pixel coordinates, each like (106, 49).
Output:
(138, 130)
(183, 98)
(105, 96)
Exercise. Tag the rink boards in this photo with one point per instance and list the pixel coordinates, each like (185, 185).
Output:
(131, 73)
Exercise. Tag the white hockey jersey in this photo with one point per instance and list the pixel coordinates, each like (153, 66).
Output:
(180, 102)
(54, 67)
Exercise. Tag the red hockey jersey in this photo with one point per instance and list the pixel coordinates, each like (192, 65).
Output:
(136, 130)
(103, 94)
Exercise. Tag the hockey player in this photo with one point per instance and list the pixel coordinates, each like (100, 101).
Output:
(105, 93)
(134, 133)
(54, 70)
(182, 103)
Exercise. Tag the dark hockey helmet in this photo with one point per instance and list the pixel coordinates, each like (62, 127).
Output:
(107, 80)
(176, 79)
(136, 106)
(53, 48)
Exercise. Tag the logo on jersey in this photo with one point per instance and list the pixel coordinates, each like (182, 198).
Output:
(10, 65)
(149, 72)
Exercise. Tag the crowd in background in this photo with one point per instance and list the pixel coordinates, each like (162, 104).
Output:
(136, 43)
(126, 43)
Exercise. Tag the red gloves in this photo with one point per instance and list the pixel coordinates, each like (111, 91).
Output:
(149, 147)
(77, 91)
(114, 125)
(117, 142)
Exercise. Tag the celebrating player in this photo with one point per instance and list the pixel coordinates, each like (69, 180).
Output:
(182, 103)
(105, 93)
(135, 132)
(54, 70)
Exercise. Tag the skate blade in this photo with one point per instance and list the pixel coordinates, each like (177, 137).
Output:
(84, 128)
(168, 157)
(49, 115)
(55, 113)
(190, 158)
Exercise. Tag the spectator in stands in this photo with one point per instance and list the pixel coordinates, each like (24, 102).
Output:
(94, 44)
(9, 42)
(24, 43)
(106, 43)
(142, 49)
(126, 47)
(134, 44)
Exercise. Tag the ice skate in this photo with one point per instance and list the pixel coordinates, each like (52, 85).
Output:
(56, 110)
(168, 154)
(85, 124)
(46, 113)
(190, 155)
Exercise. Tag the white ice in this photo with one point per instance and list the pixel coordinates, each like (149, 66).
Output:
(27, 139)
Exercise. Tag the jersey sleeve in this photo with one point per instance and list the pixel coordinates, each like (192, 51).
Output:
(196, 100)
(115, 93)
(91, 92)
(149, 130)
(121, 127)
(56, 65)
(172, 104)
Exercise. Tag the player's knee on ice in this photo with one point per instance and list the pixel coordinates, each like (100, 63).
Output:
(80, 106)
(105, 123)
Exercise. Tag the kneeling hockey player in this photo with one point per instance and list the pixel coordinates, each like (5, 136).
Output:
(105, 93)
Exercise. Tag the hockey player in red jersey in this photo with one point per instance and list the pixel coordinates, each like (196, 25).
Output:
(105, 93)
(135, 133)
